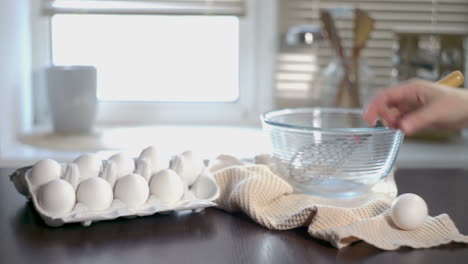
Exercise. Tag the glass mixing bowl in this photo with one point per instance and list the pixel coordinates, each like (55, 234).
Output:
(330, 152)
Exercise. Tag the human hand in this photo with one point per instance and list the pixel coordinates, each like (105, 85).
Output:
(417, 104)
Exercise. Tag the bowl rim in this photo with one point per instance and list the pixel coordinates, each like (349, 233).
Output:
(266, 119)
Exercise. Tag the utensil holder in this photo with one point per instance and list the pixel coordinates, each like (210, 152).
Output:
(331, 80)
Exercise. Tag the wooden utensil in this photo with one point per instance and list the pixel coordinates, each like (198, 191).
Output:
(335, 41)
(363, 26)
(454, 79)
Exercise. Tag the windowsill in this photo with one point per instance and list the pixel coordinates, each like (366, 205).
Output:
(207, 141)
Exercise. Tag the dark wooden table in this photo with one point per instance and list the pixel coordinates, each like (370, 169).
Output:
(214, 236)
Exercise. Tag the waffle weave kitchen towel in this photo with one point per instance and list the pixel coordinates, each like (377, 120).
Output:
(270, 201)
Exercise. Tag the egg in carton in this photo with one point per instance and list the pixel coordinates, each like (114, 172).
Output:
(90, 190)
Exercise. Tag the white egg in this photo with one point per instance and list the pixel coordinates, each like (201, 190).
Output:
(57, 197)
(132, 190)
(95, 193)
(45, 171)
(409, 211)
(187, 166)
(157, 161)
(180, 166)
(125, 164)
(167, 186)
(195, 162)
(89, 166)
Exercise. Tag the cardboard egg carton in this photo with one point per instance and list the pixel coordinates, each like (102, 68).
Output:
(89, 190)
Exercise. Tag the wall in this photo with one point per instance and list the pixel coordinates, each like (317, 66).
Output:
(15, 106)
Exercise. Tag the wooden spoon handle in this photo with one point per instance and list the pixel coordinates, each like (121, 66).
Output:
(454, 79)
(339, 98)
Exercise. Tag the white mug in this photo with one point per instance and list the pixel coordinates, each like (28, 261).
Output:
(72, 98)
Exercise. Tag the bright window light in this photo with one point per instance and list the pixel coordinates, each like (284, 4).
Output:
(153, 58)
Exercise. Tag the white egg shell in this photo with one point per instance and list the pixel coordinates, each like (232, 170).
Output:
(187, 166)
(409, 211)
(194, 161)
(167, 186)
(132, 190)
(125, 164)
(89, 166)
(96, 193)
(180, 166)
(45, 171)
(157, 161)
(56, 197)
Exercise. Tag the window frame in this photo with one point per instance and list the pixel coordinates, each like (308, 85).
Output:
(257, 54)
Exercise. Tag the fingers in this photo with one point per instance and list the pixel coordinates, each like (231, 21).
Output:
(392, 102)
(389, 116)
(442, 111)
(370, 114)
(417, 120)
(415, 105)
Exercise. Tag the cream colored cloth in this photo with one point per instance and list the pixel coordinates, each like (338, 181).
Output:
(270, 201)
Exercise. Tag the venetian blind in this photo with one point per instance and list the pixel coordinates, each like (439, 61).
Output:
(299, 66)
(146, 7)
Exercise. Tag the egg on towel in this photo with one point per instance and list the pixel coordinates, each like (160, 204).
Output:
(155, 158)
(132, 189)
(409, 211)
(57, 197)
(167, 186)
(89, 166)
(188, 166)
(45, 171)
(96, 193)
(124, 163)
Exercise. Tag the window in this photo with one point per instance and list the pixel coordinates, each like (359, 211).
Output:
(159, 62)
(143, 58)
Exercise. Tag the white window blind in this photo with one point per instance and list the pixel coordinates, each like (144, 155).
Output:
(146, 7)
(299, 66)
